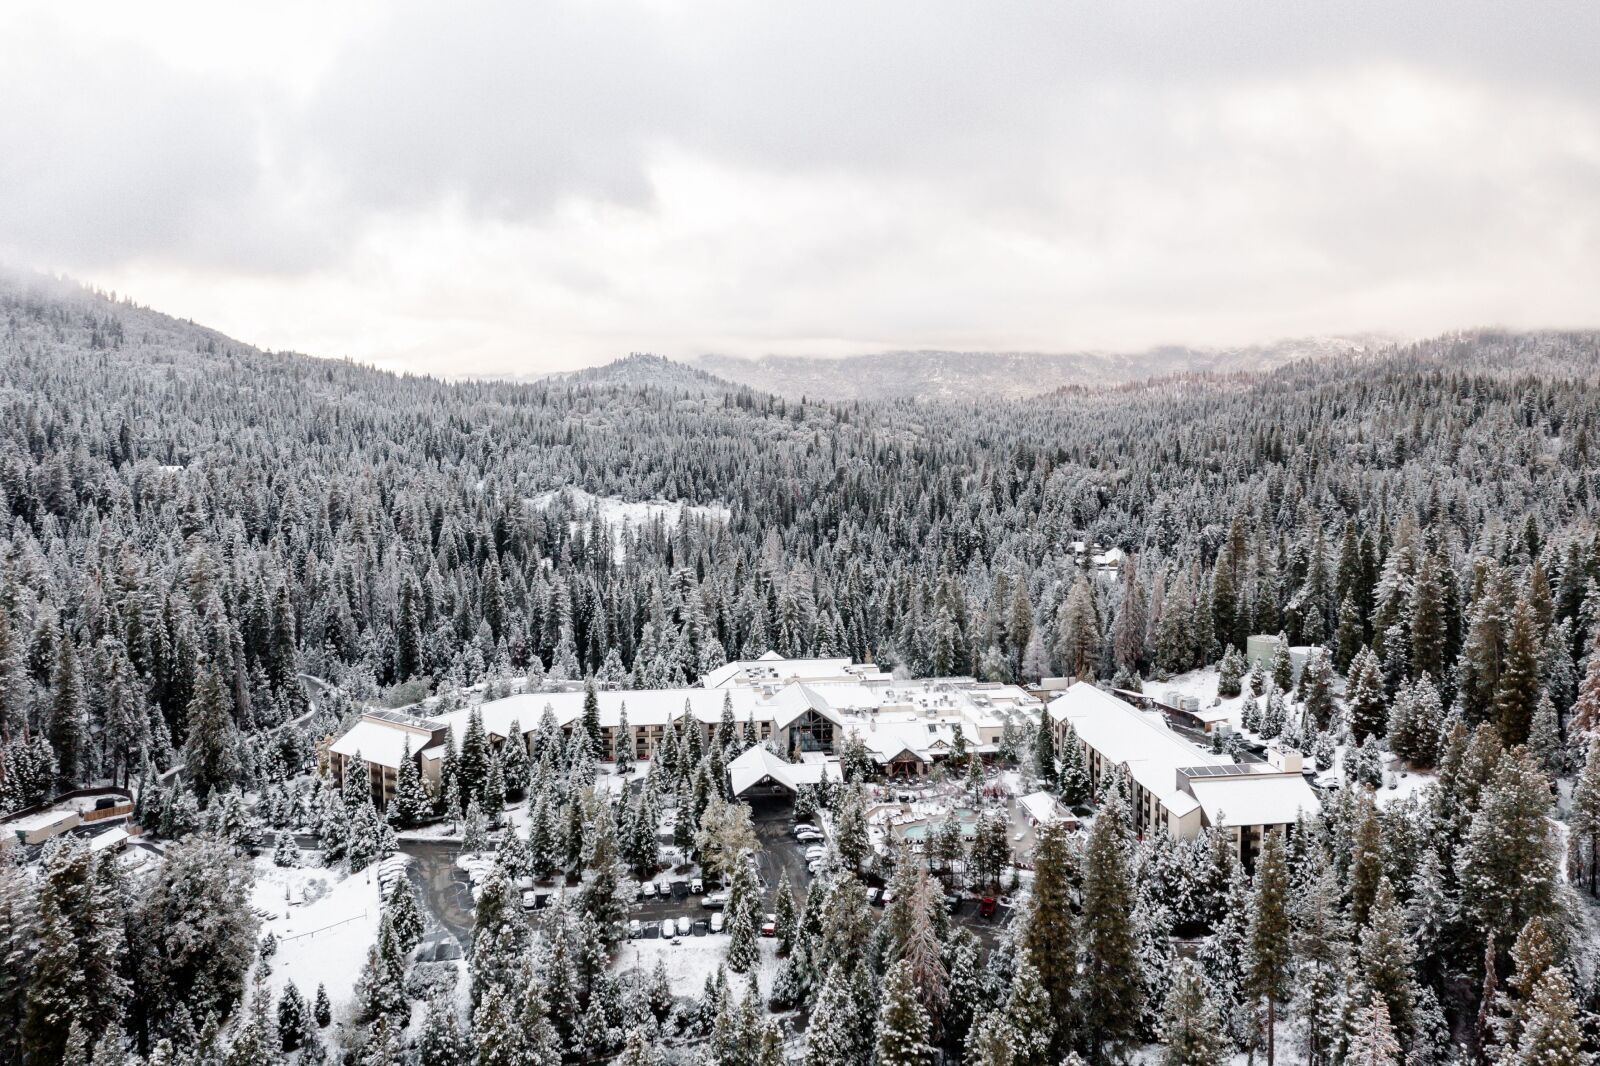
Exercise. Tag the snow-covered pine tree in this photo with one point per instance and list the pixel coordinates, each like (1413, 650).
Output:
(1192, 1032)
(903, 1025)
(1111, 984)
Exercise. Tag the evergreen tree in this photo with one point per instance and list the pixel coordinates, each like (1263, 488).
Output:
(1584, 822)
(1552, 1036)
(1035, 1028)
(69, 725)
(1049, 934)
(1111, 979)
(1267, 969)
(1373, 1042)
(1044, 754)
(1369, 711)
(902, 1022)
(1517, 691)
(211, 753)
(440, 1043)
(1193, 1032)
(1505, 868)
(410, 806)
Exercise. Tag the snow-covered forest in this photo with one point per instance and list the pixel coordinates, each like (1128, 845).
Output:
(214, 558)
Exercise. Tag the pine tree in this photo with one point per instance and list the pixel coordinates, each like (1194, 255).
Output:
(1373, 1042)
(401, 905)
(322, 1010)
(1111, 981)
(1545, 744)
(1193, 1031)
(1267, 974)
(410, 806)
(1505, 868)
(295, 1025)
(1029, 1017)
(786, 917)
(498, 1038)
(211, 752)
(1552, 1036)
(1584, 822)
(1517, 692)
(381, 988)
(1386, 958)
(1369, 712)
(1044, 753)
(591, 716)
(1049, 935)
(440, 1043)
(69, 726)
(902, 1022)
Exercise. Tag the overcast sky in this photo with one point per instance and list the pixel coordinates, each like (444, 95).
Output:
(533, 186)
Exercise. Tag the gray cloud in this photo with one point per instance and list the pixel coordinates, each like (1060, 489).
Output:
(504, 187)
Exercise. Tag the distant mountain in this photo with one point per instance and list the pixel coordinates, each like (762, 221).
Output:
(641, 370)
(1005, 375)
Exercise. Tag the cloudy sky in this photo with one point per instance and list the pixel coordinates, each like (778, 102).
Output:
(532, 186)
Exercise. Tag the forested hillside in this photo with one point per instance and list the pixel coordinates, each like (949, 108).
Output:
(179, 503)
(191, 526)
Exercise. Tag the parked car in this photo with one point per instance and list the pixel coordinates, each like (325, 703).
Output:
(809, 837)
(804, 827)
(814, 868)
(875, 897)
(888, 896)
(718, 920)
(714, 901)
(669, 928)
(701, 927)
(770, 926)
(647, 890)
(635, 930)
(697, 887)
(986, 907)
(815, 852)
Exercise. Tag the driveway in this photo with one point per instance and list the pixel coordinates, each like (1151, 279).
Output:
(443, 889)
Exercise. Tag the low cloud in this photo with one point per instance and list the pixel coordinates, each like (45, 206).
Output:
(516, 188)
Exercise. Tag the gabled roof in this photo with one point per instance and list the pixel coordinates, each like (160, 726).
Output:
(757, 764)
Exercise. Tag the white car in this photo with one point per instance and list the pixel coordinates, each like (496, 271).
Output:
(718, 920)
(808, 836)
(669, 929)
(804, 827)
(635, 930)
(815, 852)
(647, 890)
(814, 868)
(714, 900)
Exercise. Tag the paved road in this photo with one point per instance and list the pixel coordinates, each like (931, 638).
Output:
(443, 888)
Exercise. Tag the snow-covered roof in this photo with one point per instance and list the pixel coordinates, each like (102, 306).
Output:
(111, 838)
(757, 763)
(377, 742)
(1137, 739)
(1043, 807)
(774, 668)
(1255, 799)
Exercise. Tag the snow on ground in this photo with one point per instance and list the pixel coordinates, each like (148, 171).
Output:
(324, 922)
(1400, 784)
(694, 958)
(620, 514)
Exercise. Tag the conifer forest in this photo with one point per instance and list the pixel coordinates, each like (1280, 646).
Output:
(228, 574)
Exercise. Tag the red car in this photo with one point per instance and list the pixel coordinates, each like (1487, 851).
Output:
(986, 907)
(770, 926)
